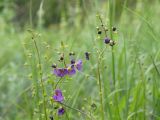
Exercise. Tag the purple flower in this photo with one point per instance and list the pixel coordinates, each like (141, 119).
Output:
(106, 40)
(58, 97)
(71, 70)
(78, 65)
(61, 111)
(60, 72)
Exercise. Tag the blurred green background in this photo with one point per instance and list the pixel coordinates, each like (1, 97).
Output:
(74, 22)
(51, 12)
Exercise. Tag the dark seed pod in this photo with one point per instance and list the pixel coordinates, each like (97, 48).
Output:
(87, 55)
(112, 43)
(72, 61)
(71, 53)
(61, 58)
(54, 66)
(99, 32)
(51, 118)
(114, 28)
(56, 107)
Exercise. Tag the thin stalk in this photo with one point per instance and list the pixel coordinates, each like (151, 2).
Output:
(126, 81)
(76, 110)
(144, 90)
(100, 54)
(111, 18)
(131, 79)
(30, 14)
(58, 82)
(41, 79)
(155, 87)
(67, 115)
(100, 89)
(114, 82)
(102, 24)
(35, 77)
(113, 69)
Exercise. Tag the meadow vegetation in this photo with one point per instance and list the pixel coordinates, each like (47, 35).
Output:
(118, 82)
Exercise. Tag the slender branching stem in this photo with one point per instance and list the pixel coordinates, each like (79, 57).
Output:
(84, 113)
(58, 82)
(41, 75)
(102, 24)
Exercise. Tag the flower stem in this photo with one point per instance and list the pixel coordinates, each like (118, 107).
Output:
(100, 89)
(58, 83)
(41, 75)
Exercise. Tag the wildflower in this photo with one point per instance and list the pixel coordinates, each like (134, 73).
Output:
(58, 97)
(71, 70)
(78, 65)
(61, 111)
(60, 72)
(87, 55)
(106, 40)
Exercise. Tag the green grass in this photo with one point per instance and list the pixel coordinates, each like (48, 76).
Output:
(129, 77)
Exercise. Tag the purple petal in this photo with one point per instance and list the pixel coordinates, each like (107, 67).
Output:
(58, 96)
(58, 92)
(79, 65)
(61, 111)
(60, 72)
(106, 40)
(71, 70)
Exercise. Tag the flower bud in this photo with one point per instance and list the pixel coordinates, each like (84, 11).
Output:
(107, 40)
